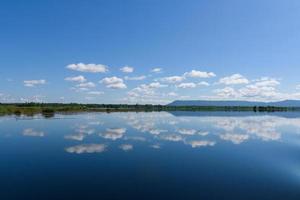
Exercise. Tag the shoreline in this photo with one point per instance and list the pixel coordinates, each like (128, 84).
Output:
(49, 109)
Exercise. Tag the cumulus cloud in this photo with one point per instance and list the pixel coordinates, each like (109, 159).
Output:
(203, 83)
(145, 90)
(33, 133)
(261, 88)
(92, 68)
(135, 78)
(95, 92)
(267, 82)
(226, 92)
(186, 85)
(172, 79)
(114, 82)
(199, 74)
(86, 85)
(234, 80)
(33, 83)
(87, 148)
(127, 69)
(156, 70)
(80, 79)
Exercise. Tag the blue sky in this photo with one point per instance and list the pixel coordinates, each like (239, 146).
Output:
(73, 51)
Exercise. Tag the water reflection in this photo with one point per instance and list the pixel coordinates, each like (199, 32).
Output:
(195, 131)
(157, 129)
(173, 152)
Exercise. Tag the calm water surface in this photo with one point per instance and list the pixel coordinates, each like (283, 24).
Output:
(181, 155)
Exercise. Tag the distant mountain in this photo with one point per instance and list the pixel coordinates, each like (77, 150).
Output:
(286, 103)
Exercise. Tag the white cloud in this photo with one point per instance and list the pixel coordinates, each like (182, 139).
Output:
(33, 133)
(87, 148)
(35, 98)
(95, 93)
(203, 83)
(226, 92)
(298, 87)
(234, 80)
(264, 88)
(86, 85)
(259, 92)
(186, 85)
(156, 70)
(127, 69)
(199, 74)
(173, 79)
(92, 68)
(33, 83)
(80, 79)
(114, 82)
(267, 82)
(155, 85)
(135, 78)
(146, 89)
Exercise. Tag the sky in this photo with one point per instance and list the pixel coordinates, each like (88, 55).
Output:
(149, 51)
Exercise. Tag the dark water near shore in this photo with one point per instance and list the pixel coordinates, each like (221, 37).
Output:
(183, 155)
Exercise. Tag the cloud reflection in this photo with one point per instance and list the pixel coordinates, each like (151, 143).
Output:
(87, 148)
(113, 133)
(126, 147)
(33, 133)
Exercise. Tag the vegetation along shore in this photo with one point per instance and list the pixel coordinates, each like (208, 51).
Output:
(49, 109)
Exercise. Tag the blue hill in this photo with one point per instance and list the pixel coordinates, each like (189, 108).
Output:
(286, 103)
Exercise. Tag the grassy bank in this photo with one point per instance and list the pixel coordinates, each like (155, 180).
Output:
(50, 109)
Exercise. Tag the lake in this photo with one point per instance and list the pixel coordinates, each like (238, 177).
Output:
(151, 155)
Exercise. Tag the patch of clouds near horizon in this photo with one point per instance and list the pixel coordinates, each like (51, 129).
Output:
(186, 85)
(114, 82)
(234, 80)
(199, 74)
